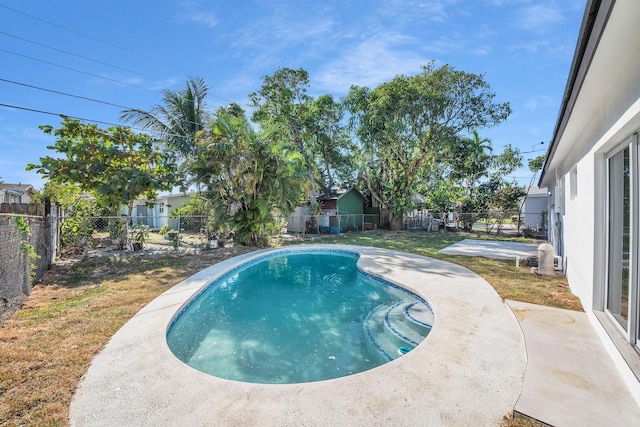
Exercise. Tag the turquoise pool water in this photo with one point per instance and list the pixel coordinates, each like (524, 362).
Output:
(297, 316)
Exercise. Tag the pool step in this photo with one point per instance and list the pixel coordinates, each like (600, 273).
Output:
(419, 317)
(395, 329)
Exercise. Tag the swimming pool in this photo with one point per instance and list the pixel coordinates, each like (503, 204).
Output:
(469, 371)
(297, 316)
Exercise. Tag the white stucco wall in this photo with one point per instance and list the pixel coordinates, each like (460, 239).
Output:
(579, 231)
(605, 116)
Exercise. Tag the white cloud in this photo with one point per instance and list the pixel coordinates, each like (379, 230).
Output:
(193, 11)
(539, 18)
(373, 61)
(540, 102)
(203, 17)
(279, 33)
(411, 10)
(482, 50)
(531, 47)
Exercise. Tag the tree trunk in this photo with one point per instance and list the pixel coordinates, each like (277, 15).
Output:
(312, 184)
(385, 217)
(395, 222)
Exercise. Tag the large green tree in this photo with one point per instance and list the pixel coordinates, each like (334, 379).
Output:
(404, 126)
(254, 179)
(283, 101)
(330, 146)
(116, 166)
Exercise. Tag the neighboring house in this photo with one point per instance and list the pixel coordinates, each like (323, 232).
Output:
(155, 213)
(534, 211)
(15, 193)
(592, 171)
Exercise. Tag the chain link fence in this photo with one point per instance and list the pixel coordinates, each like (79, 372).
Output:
(334, 223)
(29, 243)
(529, 224)
(88, 236)
(25, 253)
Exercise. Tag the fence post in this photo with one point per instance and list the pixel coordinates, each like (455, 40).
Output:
(54, 234)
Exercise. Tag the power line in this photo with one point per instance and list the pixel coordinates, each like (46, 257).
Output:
(90, 59)
(51, 113)
(33, 110)
(81, 56)
(77, 96)
(75, 69)
(95, 75)
(75, 32)
(63, 93)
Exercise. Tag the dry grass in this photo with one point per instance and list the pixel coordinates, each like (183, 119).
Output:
(46, 346)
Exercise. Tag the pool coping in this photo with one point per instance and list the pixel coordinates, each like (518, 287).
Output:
(468, 371)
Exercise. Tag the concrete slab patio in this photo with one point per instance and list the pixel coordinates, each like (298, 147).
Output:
(469, 371)
(492, 249)
(570, 378)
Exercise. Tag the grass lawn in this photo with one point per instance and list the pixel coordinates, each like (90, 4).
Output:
(46, 346)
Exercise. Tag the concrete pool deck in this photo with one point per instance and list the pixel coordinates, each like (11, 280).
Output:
(468, 371)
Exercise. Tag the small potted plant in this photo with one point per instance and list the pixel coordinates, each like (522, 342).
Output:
(138, 235)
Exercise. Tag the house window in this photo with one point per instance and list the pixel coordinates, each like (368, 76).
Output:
(161, 208)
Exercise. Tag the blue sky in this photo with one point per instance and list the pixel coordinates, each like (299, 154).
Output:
(126, 52)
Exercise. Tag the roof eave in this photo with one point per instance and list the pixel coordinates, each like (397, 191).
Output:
(593, 23)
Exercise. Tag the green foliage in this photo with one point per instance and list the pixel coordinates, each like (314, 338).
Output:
(115, 166)
(406, 125)
(471, 160)
(21, 225)
(329, 145)
(139, 234)
(75, 232)
(283, 103)
(508, 197)
(535, 164)
(252, 178)
(23, 228)
(283, 100)
(198, 204)
(175, 240)
(163, 230)
(78, 212)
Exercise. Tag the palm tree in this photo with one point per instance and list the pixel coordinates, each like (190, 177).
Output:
(477, 157)
(252, 176)
(177, 120)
